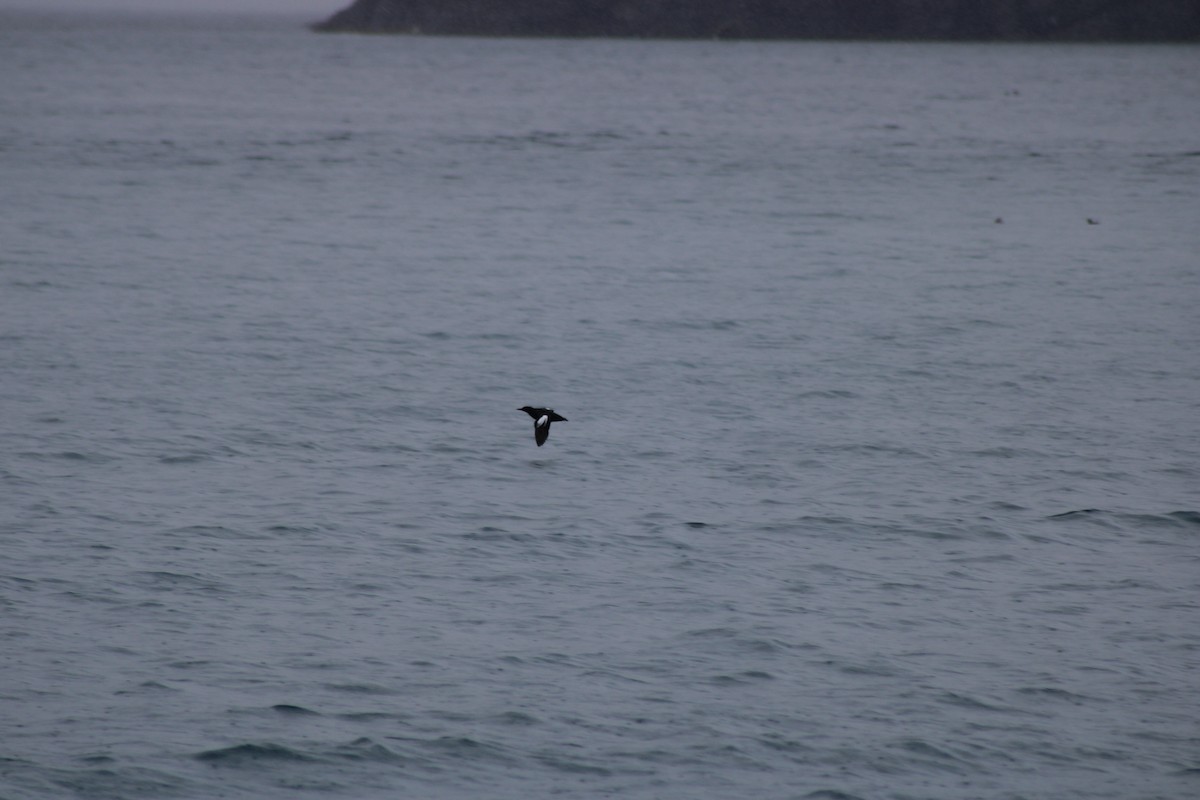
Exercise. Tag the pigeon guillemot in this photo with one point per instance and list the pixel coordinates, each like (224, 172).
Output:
(542, 417)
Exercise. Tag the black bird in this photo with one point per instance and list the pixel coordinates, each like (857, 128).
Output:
(542, 417)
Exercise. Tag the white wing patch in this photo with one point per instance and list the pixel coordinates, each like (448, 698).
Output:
(544, 419)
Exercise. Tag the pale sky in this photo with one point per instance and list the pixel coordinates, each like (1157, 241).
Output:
(317, 8)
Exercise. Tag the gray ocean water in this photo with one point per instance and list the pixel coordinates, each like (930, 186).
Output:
(882, 471)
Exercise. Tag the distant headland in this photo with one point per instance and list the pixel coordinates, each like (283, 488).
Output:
(966, 20)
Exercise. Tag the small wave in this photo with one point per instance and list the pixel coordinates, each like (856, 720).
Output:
(583, 141)
(517, 718)
(162, 579)
(184, 458)
(827, 394)
(372, 716)
(572, 765)
(211, 532)
(1077, 514)
(1005, 452)
(732, 640)
(367, 749)
(102, 778)
(933, 756)
(298, 711)
(462, 747)
(1050, 693)
(1171, 519)
(687, 324)
(70, 455)
(269, 754)
(963, 701)
(152, 686)
(492, 533)
(302, 529)
(741, 678)
(249, 753)
(360, 688)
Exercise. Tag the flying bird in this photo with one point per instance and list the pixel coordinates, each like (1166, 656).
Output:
(542, 417)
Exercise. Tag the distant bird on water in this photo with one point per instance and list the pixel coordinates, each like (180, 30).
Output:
(542, 417)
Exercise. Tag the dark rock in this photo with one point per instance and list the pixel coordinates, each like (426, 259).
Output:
(1066, 20)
